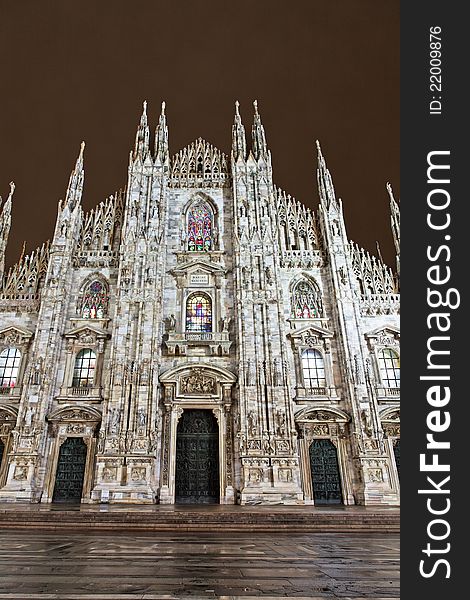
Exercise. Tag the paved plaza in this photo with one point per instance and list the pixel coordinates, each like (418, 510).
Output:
(149, 566)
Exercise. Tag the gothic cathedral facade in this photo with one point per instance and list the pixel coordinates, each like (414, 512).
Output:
(201, 337)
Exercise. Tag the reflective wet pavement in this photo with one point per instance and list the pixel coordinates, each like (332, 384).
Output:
(150, 566)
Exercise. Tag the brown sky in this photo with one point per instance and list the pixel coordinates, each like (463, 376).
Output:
(326, 69)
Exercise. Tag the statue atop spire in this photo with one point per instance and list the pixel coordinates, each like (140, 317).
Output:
(238, 135)
(258, 135)
(5, 224)
(75, 187)
(395, 223)
(142, 137)
(325, 182)
(161, 137)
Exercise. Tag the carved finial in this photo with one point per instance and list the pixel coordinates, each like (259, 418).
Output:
(12, 188)
(237, 106)
(255, 104)
(82, 148)
(145, 107)
(163, 107)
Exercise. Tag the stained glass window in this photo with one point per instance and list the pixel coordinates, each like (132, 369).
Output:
(389, 363)
(94, 302)
(199, 312)
(10, 359)
(84, 370)
(200, 228)
(306, 301)
(313, 369)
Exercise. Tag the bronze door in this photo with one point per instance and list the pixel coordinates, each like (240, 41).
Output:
(396, 452)
(325, 472)
(197, 458)
(70, 471)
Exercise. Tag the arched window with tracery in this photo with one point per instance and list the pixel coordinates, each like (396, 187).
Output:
(10, 359)
(389, 364)
(84, 369)
(313, 369)
(199, 312)
(306, 301)
(200, 225)
(94, 300)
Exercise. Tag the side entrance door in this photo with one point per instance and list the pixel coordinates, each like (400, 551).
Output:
(70, 471)
(325, 472)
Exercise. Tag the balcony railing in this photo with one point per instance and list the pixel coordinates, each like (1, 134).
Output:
(83, 392)
(9, 390)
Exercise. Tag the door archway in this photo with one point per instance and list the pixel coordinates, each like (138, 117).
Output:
(324, 467)
(197, 458)
(70, 471)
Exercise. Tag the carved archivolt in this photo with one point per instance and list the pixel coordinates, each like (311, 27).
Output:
(321, 422)
(322, 415)
(71, 414)
(197, 382)
(8, 416)
(390, 419)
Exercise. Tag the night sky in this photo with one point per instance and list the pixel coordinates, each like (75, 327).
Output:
(73, 71)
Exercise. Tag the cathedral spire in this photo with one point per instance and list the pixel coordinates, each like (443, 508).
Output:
(161, 137)
(142, 137)
(395, 223)
(75, 187)
(5, 224)
(257, 132)
(325, 182)
(238, 135)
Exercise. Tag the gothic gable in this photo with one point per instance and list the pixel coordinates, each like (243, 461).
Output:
(198, 165)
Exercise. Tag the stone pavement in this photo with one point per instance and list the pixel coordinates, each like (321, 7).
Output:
(159, 565)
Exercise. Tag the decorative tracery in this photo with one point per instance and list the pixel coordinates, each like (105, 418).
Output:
(200, 227)
(94, 300)
(306, 301)
(199, 313)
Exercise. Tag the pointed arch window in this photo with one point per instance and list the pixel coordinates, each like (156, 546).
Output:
(94, 300)
(313, 369)
(389, 364)
(199, 313)
(200, 227)
(10, 360)
(306, 301)
(84, 369)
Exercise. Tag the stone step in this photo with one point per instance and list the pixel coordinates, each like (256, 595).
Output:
(304, 519)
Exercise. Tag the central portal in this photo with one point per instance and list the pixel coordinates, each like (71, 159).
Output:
(197, 458)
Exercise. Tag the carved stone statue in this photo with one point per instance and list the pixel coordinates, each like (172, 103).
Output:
(252, 423)
(171, 323)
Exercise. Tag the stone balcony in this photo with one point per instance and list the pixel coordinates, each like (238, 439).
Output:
(91, 394)
(388, 394)
(13, 392)
(214, 342)
(316, 393)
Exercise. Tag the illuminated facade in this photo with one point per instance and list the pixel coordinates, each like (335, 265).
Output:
(201, 337)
